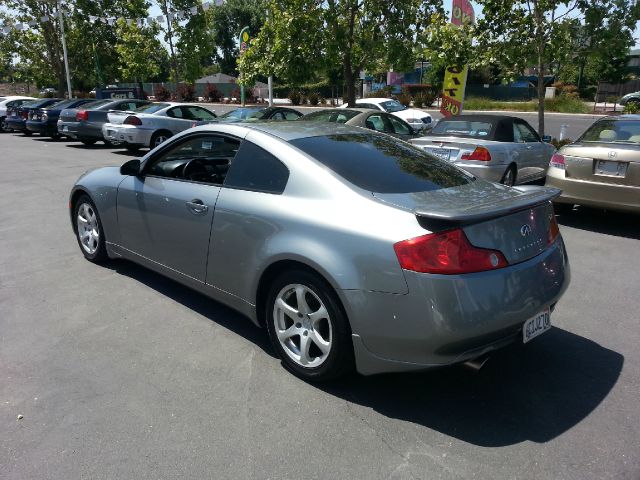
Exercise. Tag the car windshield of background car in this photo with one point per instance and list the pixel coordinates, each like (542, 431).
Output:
(392, 106)
(462, 128)
(613, 131)
(151, 107)
(382, 164)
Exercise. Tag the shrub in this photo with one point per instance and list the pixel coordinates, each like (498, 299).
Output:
(631, 107)
(235, 94)
(295, 96)
(560, 143)
(404, 99)
(418, 101)
(162, 93)
(565, 104)
(211, 93)
(321, 100)
(314, 98)
(186, 92)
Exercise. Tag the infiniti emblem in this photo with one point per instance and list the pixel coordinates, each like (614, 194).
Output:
(525, 230)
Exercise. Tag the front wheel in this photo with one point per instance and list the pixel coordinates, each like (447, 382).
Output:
(89, 232)
(308, 328)
(27, 133)
(3, 125)
(88, 142)
(159, 138)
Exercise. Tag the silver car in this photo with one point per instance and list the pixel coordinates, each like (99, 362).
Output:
(152, 124)
(498, 148)
(352, 248)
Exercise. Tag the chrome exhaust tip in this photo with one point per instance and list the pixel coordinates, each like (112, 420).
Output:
(476, 364)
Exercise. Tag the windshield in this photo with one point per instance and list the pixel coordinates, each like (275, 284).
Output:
(61, 104)
(613, 131)
(38, 103)
(392, 106)
(151, 107)
(382, 164)
(97, 103)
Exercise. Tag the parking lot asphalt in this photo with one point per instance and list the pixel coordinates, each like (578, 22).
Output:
(119, 373)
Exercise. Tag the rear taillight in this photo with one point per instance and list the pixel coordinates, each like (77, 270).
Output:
(446, 253)
(557, 161)
(132, 120)
(82, 115)
(480, 153)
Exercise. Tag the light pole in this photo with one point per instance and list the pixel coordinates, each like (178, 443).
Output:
(243, 38)
(64, 49)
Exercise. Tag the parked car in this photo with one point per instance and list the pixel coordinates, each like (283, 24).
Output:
(84, 123)
(601, 168)
(499, 148)
(346, 244)
(45, 120)
(418, 119)
(152, 124)
(7, 103)
(366, 118)
(48, 91)
(17, 116)
(255, 114)
(630, 98)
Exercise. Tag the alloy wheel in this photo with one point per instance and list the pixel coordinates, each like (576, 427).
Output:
(302, 325)
(88, 229)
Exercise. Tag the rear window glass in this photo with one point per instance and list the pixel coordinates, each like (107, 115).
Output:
(61, 104)
(463, 128)
(97, 103)
(613, 131)
(382, 164)
(340, 116)
(39, 103)
(152, 107)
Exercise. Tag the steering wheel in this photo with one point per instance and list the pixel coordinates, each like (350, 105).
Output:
(196, 170)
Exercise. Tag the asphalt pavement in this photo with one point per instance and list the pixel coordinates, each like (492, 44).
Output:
(114, 372)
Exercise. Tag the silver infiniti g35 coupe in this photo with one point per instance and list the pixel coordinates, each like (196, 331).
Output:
(351, 247)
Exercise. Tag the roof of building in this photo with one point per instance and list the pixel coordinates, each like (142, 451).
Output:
(218, 78)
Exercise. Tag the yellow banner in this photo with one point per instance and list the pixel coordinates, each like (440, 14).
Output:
(455, 81)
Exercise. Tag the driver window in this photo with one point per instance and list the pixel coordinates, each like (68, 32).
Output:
(517, 137)
(376, 122)
(399, 127)
(527, 134)
(204, 159)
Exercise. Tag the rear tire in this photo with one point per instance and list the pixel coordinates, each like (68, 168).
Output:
(509, 177)
(132, 148)
(158, 138)
(89, 231)
(3, 125)
(27, 133)
(308, 328)
(88, 142)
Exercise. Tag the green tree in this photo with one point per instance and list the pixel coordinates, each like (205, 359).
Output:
(303, 37)
(138, 50)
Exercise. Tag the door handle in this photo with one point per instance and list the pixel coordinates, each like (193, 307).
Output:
(196, 206)
(529, 147)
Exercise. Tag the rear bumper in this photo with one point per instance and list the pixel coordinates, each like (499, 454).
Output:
(43, 128)
(594, 194)
(493, 173)
(127, 134)
(446, 319)
(80, 130)
(16, 124)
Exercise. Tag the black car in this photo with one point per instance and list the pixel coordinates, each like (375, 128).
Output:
(84, 123)
(17, 116)
(255, 114)
(45, 120)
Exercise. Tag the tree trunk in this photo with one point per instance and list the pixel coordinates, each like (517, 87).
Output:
(540, 96)
(350, 83)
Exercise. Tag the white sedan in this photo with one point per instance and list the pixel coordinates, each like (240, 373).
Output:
(418, 119)
(152, 124)
(10, 102)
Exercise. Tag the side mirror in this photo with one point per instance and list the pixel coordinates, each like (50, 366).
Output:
(131, 168)
(546, 139)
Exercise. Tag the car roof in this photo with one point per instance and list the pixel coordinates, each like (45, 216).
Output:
(288, 131)
(373, 100)
(482, 117)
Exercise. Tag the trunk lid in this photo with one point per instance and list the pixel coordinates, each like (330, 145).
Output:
(617, 164)
(69, 115)
(118, 118)
(446, 148)
(516, 221)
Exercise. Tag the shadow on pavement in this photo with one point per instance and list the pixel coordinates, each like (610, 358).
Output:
(205, 306)
(532, 393)
(95, 146)
(129, 153)
(608, 222)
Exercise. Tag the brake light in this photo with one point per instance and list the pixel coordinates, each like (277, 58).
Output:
(132, 120)
(554, 230)
(82, 115)
(447, 253)
(480, 153)
(557, 161)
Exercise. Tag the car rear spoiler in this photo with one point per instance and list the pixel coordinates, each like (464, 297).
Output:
(532, 196)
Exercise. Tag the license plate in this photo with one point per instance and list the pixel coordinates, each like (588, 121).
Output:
(536, 326)
(611, 169)
(441, 153)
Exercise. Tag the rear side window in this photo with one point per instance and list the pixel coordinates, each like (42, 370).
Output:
(255, 169)
(382, 164)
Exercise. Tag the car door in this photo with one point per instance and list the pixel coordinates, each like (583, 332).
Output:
(176, 120)
(535, 161)
(165, 213)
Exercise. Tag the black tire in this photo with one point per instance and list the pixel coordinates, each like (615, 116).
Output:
(100, 253)
(339, 359)
(510, 176)
(55, 136)
(159, 137)
(88, 141)
(110, 144)
(27, 133)
(562, 208)
(3, 125)
(132, 148)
